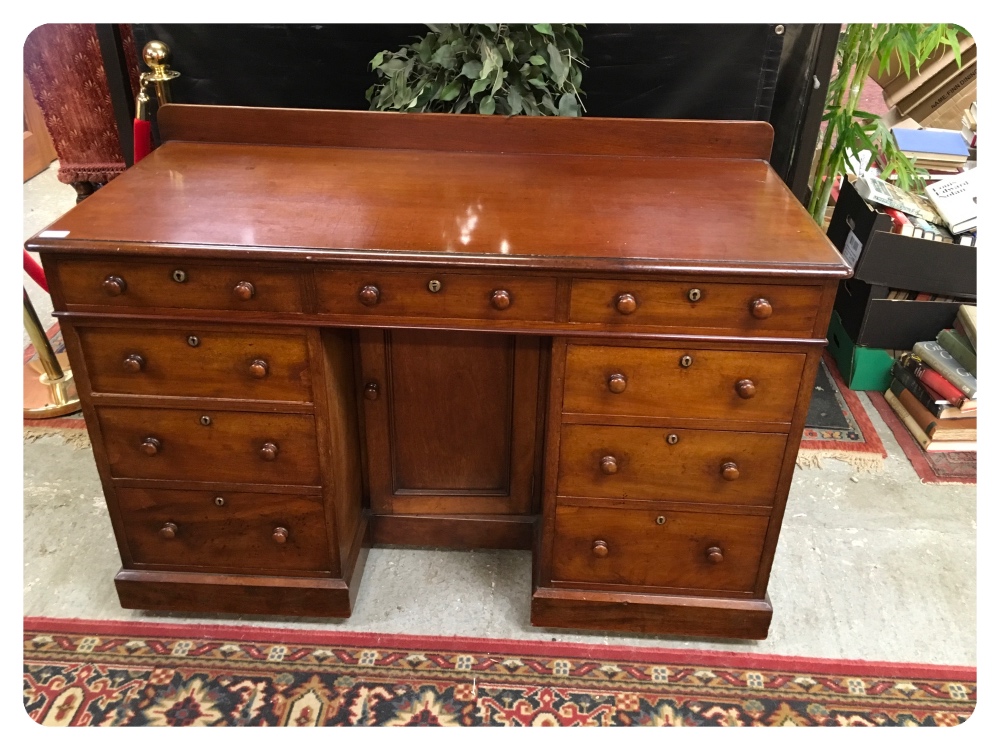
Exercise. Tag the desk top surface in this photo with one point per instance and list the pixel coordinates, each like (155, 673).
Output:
(548, 210)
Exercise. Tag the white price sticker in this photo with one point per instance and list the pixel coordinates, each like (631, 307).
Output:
(852, 249)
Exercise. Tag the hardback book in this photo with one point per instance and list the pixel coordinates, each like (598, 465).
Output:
(931, 400)
(876, 190)
(955, 200)
(935, 356)
(936, 381)
(959, 347)
(937, 429)
(900, 223)
(934, 145)
(901, 85)
(926, 442)
(967, 318)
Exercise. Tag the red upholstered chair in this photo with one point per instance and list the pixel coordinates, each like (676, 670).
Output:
(64, 67)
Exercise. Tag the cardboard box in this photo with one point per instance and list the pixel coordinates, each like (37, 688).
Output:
(862, 368)
(883, 261)
(949, 114)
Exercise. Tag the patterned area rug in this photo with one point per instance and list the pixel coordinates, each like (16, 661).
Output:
(86, 673)
(935, 467)
(846, 436)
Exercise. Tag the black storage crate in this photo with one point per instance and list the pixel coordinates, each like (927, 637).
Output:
(891, 261)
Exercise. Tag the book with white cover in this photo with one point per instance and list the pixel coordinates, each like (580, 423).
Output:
(955, 198)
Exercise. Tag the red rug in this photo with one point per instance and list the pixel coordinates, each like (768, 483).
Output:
(936, 467)
(858, 444)
(90, 673)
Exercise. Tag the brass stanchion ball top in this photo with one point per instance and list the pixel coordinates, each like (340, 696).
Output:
(155, 53)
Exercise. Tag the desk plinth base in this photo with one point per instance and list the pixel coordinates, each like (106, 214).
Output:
(652, 614)
(253, 595)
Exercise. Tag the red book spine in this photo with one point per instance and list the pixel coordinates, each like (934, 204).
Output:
(938, 383)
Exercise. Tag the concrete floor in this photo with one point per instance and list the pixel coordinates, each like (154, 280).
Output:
(869, 566)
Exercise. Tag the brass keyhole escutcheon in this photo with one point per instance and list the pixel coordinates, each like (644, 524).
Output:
(179, 276)
(694, 294)
(672, 438)
(193, 341)
(220, 501)
(686, 360)
(660, 520)
(434, 286)
(205, 421)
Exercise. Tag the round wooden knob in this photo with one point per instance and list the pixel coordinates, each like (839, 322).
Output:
(745, 388)
(269, 451)
(730, 471)
(134, 363)
(609, 465)
(369, 295)
(617, 383)
(114, 286)
(500, 299)
(714, 554)
(258, 368)
(169, 530)
(371, 391)
(151, 446)
(244, 291)
(600, 548)
(625, 304)
(760, 308)
(280, 535)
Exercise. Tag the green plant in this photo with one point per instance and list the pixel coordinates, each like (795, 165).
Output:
(849, 131)
(509, 69)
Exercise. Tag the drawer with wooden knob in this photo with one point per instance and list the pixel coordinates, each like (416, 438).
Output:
(197, 285)
(709, 307)
(225, 531)
(652, 463)
(682, 382)
(210, 445)
(198, 361)
(436, 295)
(668, 549)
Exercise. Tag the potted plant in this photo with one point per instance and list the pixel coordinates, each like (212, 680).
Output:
(509, 69)
(850, 131)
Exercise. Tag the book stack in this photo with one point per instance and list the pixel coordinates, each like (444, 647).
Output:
(940, 152)
(969, 130)
(916, 216)
(934, 390)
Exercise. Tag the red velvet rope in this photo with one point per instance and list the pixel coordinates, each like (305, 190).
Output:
(35, 271)
(142, 136)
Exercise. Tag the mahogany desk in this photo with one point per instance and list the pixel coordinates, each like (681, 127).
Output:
(299, 333)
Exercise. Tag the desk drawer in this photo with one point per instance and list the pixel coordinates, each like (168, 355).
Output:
(197, 361)
(669, 549)
(225, 530)
(713, 308)
(652, 463)
(210, 446)
(179, 284)
(709, 384)
(462, 296)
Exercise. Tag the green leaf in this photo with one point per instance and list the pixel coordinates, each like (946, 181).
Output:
(543, 28)
(451, 91)
(487, 106)
(472, 69)
(514, 100)
(377, 60)
(537, 60)
(558, 65)
(568, 106)
(478, 86)
(444, 56)
(392, 65)
(549, 104)
(498, 81)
